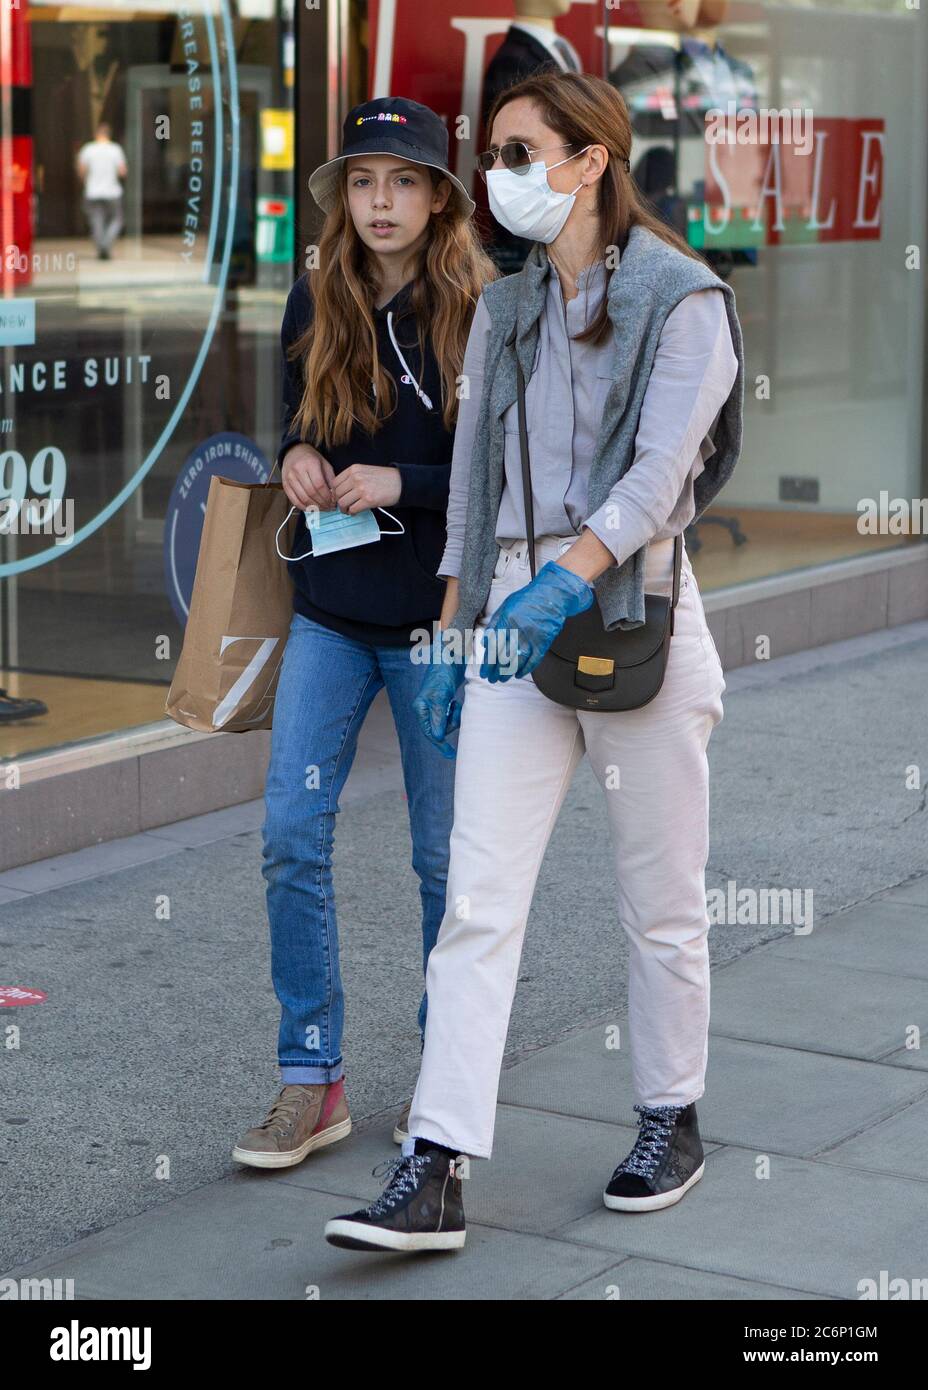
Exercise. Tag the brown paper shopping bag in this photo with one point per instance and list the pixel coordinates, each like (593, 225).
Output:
(240, 612)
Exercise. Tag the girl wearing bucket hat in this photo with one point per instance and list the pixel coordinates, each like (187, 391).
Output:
(373, 340)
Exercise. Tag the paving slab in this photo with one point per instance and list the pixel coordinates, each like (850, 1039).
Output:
(885, 935)
(215, 825)
(84, 864)
(770, 1098)
(811, 1226)
(911, 1058)
(816, 1005)
(653, 1280)
(915, 891)
(239, 1240)
(12, 895)
(895, 1145)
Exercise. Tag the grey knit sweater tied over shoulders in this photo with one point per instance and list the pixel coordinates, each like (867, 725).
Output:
(650, 280)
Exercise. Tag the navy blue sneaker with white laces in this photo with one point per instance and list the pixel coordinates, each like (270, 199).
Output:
(666, 1160)
(420, 1208)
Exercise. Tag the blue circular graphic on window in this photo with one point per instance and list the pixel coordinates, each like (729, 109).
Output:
(228, 454)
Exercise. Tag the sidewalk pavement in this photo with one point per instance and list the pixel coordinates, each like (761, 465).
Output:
(155, 1048)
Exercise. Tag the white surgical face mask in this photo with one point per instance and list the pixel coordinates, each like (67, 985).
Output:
(526, 204)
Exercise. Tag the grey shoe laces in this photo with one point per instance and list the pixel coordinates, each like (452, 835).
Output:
(655, 1127)
(400, 1176)
(286, 1109)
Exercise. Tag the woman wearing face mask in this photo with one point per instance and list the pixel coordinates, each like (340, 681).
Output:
(373, 343)
(633, 357)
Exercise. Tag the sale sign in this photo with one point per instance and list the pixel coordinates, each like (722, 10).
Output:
(777, 192)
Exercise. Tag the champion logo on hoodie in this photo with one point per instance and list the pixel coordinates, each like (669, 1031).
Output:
(406, 379)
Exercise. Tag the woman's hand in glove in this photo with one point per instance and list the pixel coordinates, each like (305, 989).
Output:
(536, 615)
(437, 707)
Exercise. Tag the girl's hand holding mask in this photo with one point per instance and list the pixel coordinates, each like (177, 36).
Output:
(308, 478)
(366, 485)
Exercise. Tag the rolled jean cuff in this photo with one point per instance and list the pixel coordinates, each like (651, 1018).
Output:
(311, 1074)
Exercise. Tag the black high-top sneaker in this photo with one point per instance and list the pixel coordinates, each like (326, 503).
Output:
(665, 1162)
(420, 1208)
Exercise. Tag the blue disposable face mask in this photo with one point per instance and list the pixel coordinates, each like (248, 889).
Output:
(336, 530)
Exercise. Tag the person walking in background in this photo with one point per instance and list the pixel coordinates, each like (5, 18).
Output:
(373, 344)
(101, 163)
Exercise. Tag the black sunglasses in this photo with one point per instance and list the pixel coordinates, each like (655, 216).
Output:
(515, 154)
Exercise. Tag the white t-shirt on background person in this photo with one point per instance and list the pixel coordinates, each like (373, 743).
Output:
(101, 161)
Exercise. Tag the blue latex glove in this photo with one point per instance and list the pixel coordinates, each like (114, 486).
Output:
(437, 707)
(536, 614)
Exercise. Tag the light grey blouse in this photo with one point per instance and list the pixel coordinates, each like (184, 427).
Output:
(694, 370)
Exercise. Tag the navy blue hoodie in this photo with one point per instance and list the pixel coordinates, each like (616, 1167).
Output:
(377, 593)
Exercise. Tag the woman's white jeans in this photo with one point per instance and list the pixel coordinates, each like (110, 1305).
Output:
(517, 753)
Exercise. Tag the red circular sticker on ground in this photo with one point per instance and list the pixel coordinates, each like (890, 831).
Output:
(11, 996)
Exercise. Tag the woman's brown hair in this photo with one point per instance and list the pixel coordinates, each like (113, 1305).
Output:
(586, 110)
(339, 348)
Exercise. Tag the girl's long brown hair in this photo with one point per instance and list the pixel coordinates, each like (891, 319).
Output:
(339, 348)
(586, 110)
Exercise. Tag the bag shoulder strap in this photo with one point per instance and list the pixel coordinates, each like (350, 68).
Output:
(528, 503)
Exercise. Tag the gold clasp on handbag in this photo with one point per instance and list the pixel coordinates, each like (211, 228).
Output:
(596, 665)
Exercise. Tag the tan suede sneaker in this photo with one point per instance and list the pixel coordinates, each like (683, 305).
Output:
(301, 1119)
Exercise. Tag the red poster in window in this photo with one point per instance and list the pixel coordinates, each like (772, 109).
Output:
(16, 151)
(438, 53)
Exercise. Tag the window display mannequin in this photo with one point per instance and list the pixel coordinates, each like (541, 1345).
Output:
(531, 43)
(669, 88)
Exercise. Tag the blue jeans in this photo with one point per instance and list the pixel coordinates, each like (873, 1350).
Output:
(327, 683)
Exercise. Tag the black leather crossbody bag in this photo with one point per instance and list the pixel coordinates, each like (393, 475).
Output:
(587, 667)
